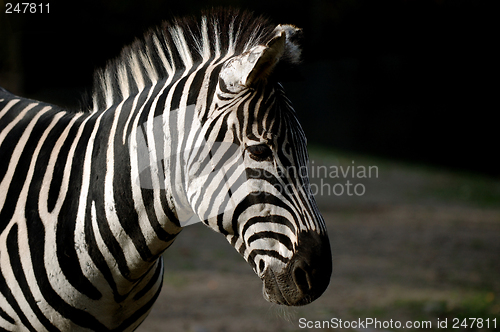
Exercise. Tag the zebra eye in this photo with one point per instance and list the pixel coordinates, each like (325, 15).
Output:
(260, 152)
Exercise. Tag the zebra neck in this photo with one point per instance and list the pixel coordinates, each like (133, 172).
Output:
(168, 132)
(129, 224)
(140, 157)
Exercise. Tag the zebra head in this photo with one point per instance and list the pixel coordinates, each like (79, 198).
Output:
(252, 185)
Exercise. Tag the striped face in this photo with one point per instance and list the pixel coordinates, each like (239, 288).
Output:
(252, 186)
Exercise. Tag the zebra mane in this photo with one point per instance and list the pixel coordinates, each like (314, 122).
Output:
(170, 49)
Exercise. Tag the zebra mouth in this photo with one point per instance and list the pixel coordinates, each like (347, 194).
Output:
(271, 289)
(282, 288)
(304, 278)
(286, 288)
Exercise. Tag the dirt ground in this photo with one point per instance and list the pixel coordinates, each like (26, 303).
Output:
(419, 244)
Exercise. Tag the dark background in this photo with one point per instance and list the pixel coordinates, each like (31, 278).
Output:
(408, 80)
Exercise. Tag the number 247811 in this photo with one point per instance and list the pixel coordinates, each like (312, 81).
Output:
(27, 7)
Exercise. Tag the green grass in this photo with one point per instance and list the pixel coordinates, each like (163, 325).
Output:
(468, 189)
(176, 280)
(438, 184)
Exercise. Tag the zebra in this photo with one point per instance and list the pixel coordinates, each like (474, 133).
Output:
(188, 122)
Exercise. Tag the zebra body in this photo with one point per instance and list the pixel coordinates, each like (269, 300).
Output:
(186, 123)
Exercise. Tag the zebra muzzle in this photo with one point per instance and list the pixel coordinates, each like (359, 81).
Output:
(305, 277)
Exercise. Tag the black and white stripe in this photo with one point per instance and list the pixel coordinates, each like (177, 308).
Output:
(187, 123)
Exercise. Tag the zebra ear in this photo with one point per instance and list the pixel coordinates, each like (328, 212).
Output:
(256, 65)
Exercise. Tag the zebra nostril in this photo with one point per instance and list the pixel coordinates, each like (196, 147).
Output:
(301, 278)
(311, 267)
